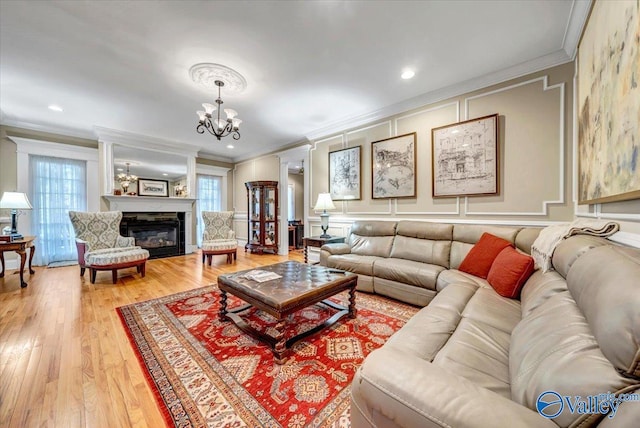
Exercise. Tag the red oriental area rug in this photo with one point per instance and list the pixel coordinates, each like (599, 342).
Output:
(208, 373)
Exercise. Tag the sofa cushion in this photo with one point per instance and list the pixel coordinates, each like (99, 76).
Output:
(509, 271)
(464, 330)
(452, 276)
(479, 260)
(421, 250)
(353, 263)
(407, 271)
(379, 246)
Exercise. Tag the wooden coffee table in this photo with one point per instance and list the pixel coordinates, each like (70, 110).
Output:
(301, 286)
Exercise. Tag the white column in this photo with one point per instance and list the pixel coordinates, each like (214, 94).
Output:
(283, 248)
(107, 175)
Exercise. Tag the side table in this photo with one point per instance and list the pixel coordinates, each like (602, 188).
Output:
(317, 241)
(19, 246)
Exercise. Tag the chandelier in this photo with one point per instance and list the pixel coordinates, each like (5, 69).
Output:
(211, 76)
(125, 180)
(218, 127)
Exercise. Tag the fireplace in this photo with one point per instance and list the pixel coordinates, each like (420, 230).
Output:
(162, 233)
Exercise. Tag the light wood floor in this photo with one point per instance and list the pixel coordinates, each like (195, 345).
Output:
(65, 360)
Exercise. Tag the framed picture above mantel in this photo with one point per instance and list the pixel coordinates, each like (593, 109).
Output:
(464, 158)
(150, 187)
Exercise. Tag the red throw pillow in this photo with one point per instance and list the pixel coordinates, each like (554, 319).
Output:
(509, 272)
(481, 257)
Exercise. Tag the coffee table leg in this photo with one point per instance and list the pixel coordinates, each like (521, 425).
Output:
(352, 303)
(222, 315)
(281, 345)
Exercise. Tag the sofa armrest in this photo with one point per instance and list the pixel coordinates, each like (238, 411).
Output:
(334, 249)
(411, 392)
(125, 241)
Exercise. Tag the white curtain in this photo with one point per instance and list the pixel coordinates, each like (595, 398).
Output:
(209, 198)
(57, 186)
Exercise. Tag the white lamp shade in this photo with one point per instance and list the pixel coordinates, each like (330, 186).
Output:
(231, 113)
(324, 202)
(220, 123)
(15, 200)
(236, 123)
(201, 115)
(209, 108)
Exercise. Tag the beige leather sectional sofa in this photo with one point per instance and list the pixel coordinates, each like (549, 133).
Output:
(472, 358)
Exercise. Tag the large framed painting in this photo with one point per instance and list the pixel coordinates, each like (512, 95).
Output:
(609, 104)
(464, 158)
(149, 187)
(344, 174)
(393, 167)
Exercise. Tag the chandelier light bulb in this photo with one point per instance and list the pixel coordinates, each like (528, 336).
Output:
(230, 113)
(209, 108)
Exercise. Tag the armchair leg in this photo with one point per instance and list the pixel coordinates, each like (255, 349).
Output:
(203, 256)
(143, 269)
(92, 274)
(82, 269)
(114, 275)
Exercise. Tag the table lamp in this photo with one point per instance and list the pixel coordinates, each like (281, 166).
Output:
(324, 203)
(15, 201)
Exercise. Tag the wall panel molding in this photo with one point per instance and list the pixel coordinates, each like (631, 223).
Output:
(561, 149)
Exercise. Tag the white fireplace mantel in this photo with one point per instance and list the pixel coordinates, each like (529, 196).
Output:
(157, 204)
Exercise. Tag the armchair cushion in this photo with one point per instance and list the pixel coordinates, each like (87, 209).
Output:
(219, 244)
(111, 256)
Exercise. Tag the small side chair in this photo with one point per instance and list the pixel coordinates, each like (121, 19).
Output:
(100, 246)
(218, 236)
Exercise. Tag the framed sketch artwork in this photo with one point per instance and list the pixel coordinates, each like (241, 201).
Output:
(149, 187)
(393, 167)
(464, 158)
(608, 100)
(344, 174)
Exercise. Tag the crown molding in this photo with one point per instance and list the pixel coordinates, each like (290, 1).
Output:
(51, 129)
(577, 19)
(145, 142)
(209, 156)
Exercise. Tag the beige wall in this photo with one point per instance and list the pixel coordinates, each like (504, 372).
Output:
(298, 184)
(534, 147)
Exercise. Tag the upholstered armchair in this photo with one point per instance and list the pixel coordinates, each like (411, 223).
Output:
(218, 236)
(100, 246)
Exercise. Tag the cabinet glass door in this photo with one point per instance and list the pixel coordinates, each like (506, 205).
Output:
(270, 215)
(254, 216)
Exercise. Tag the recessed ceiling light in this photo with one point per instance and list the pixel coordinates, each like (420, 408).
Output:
(165, 174)
(120, 169)
(229, 146)
(408, 74)
(455, 131)
(55, 107)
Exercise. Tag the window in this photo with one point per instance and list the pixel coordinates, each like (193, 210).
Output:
(292, 203)
(57, 186)
(209, 199)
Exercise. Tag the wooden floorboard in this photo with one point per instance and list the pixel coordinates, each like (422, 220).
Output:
(65, 359)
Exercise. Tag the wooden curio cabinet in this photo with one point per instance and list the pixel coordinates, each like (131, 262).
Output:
(262, 197)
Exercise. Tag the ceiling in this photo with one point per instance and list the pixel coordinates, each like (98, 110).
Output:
(311, 67)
